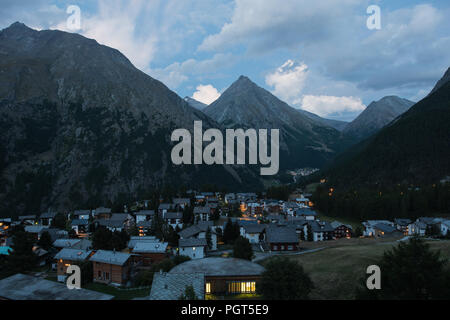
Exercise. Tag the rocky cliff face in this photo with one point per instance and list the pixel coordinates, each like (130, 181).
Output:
(81, 125)
(303, 141)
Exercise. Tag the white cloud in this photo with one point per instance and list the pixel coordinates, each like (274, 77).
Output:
(206, 94)
(176, 73)
(330, 105)
(288, 81)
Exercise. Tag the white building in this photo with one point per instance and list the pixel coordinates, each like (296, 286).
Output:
(194, 248)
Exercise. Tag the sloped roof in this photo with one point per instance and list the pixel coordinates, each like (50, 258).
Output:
(281, 234)
(110, 257)
(170, 286)
(174, 215)
(150, 247)
(73, 254)
(25, 287)
(192, 242)
(65, 243)
(385, 227)
(145, 213)
(219, 267)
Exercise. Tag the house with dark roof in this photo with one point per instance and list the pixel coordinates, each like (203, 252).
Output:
(199, 231)
(202, 213)
(181, 203)
(321, 230)
(111, 267)
(402, 225)
(149, 252)
(341, 230)
(194, 248)
(26, 287)
(46, 218)
(82, 214)
(67, 257)
(307, 213)
(224, 276)
(383, 230)
(282, 237)
(144, 215)
(174, 219)
(254, 232)
(171, 286)
(80, 226)
(28, 219)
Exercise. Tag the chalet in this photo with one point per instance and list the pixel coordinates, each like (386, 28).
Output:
(224, 276)
(202, 213)
(255, 208)
(80, 226)
(194, 248)
(46, 218)
(289, 208)
(275, 218)
(383, 230)
(420, 226)
(402, 225)
(36, 230)
(174, 219)
(307, 213)
(199, 230)
(117, 222)
(282, 238)
(165, 207)
(168, 286)
(272, 206)
(144, 215)
(28, 220)
(369, 225)
(67, 257)
(321, 231)
(81, 214)
(341, 230)
(102, 213)
(111, 267)
(254, 232)
(144, 227)
(444, 227)
(303, 201)
(149, 252)
(135, 239)
(42, 256)
(26, 287)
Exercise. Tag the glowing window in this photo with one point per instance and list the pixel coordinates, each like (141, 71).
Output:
(208, 287)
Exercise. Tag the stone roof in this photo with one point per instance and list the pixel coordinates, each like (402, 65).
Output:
(102, 210)
(225, 267)
(73, 254)
(202, 210)
(254, 227)
(150, 247)
(80, 222)
(36, 229)
(281, 234)
(192, 242)
(196, 229)
(173, 215)
(25, 287)
(385, 227)
(47, 215)
(170, 286)
(65, 243)
(134, 240)
(110, 257)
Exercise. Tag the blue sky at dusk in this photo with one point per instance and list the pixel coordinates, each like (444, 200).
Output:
(315, 55)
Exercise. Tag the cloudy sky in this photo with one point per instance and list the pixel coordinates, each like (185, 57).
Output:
(316, 55)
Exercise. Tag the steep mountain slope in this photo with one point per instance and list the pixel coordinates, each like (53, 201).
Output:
(337, 124)
(79, 124)
(414, 148)
(195, 104)
(376, 116)
(303, 142)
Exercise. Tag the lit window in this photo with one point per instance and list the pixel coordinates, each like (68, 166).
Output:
(208, 287)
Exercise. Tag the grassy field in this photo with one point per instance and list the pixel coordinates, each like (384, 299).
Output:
(118, 294)
(336, 271)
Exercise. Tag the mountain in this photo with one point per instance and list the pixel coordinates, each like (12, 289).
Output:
(376, 116)
(81, 126)
(337, 124)
(195, 104)
(442, 81)
(303, 142)
(414, 148)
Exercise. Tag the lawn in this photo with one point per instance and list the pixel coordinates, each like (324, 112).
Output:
(337, 271)
(118, 294)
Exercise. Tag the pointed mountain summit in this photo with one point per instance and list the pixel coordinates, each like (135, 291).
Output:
(82, 126)
(376, 116)
(303, 141)
(413, 149)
